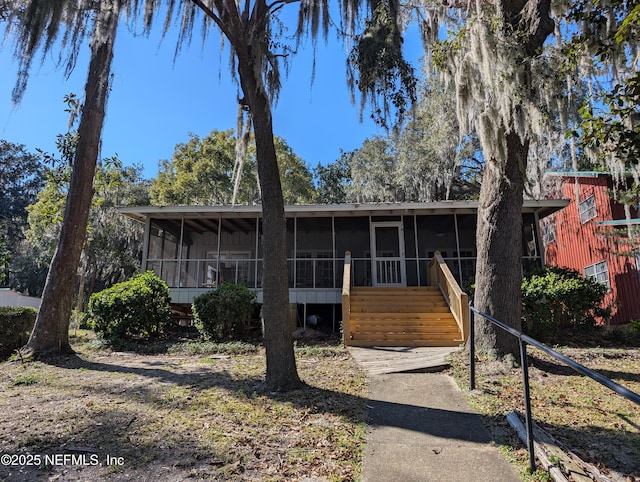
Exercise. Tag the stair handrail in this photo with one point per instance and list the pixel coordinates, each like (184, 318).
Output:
(346, 299)
(440, 275)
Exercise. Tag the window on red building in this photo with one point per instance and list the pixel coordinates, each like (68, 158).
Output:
(549, 233)
(587, 209)
(598, 272)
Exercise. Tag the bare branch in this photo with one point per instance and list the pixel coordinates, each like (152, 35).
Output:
(278, 4)
(213, 16)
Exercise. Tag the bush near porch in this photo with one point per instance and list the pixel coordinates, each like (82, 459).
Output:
(554, 299)
(224, 313)
(134, 309)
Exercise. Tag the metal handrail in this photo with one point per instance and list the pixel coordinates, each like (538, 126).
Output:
(524, 339)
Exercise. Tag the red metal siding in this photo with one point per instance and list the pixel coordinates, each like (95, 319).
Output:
(579, 245)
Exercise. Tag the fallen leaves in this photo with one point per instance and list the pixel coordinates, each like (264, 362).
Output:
(179, 415)
(594, 422)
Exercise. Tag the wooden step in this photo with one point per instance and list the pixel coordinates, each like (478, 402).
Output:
(411, 343)
(399, 309)
(409, 300)
(421, 332)
(404, 322)
(401, 316)
(403, 289)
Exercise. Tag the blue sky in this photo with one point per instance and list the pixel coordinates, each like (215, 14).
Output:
(155, 104)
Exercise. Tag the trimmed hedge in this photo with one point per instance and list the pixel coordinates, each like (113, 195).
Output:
(224, 313)
(16, 324)
(134, 309)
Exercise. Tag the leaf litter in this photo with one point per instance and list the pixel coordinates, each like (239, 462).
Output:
(178, 416)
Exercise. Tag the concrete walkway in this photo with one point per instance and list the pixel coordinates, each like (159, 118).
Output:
(422, 429)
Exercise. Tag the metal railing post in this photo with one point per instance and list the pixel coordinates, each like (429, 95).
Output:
(524, 340)
(527, 405)
(472, 349)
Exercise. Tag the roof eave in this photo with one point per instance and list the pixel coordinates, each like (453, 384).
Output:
(544, 207)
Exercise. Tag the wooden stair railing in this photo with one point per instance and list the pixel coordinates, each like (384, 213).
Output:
(440, 275)
(434, 315)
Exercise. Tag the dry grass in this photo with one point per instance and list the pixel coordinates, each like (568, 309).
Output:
(193, 412)
(588, 418)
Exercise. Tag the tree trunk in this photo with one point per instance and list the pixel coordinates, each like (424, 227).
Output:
(499, 245)
(499, 230)
(282, 374)
(51, 330)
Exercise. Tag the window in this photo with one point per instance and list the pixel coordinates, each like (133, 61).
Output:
(320, 264)
(599, 273)
(549, 234)
(587, 209)
(304, 269)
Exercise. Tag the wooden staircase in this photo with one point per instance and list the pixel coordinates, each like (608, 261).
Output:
(405, 316)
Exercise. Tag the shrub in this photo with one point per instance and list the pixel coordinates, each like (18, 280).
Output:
(133, 309)
(16, 324)
(558, 298)
(224, 313)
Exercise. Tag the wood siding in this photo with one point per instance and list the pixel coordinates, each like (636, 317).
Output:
(580, 244)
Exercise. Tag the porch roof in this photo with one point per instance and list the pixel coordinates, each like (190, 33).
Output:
(543, 207)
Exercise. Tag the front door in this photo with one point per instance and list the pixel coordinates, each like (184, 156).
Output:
(387, 248)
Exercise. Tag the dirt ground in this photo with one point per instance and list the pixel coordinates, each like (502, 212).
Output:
(587, 418)
(179, 416)
(196, 411)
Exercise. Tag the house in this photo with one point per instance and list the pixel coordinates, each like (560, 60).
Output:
(195, 248)
(590, 235)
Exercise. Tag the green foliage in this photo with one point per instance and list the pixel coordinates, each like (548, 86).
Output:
(113, 243)
(557, 298)
(5, 257)
(212, 348)
(29, 379)
(224, 313)
(634, 328)
(374, 172)
(201, 171)
(420, 162)
(610, 128)
(334, 179)
(21, 178)
(297, 181)
(435, 165)
(133, 309)
(617, 131)
(627, 335)
(16, 323)
(376, 65)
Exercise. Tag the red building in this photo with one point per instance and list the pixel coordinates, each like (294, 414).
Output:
(591, 235)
